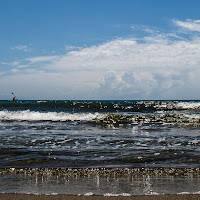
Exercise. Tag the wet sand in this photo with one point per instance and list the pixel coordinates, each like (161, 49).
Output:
(76, 197)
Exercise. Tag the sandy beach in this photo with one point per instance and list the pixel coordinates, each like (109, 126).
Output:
(75, 197)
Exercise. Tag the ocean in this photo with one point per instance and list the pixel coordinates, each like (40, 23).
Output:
(100, 147)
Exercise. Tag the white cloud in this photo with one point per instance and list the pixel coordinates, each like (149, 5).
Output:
(192, 25)
(20, 48)
(15, 70)
(144, 28)
(72, 48)
(42, 59)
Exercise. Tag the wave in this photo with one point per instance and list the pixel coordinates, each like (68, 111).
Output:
(28, 115)
(188, 105)
(104, 119)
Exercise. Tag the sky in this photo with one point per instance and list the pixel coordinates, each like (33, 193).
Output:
(100, 49)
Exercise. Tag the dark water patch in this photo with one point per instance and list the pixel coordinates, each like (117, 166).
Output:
(76, 106)
(101, 106)
(98, 157)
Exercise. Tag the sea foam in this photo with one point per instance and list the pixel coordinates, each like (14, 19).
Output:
(28, 115)
(188, 105)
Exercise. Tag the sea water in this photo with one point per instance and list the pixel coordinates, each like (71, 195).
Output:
(75, 140)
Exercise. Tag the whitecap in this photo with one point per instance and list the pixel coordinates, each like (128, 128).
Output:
(28, 115)
(115, 195)
(89, 194)
(188, 105)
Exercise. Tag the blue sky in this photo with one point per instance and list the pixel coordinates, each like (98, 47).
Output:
(100, 49)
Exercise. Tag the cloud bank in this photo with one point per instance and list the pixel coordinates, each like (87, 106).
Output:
(157, 66)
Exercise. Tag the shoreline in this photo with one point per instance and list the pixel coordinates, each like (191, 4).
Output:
(103, 183)
(111, 172)
(96, 197)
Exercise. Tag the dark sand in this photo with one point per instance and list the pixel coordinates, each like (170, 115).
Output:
(75, 197)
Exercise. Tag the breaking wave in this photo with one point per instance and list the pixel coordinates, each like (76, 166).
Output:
(104, 119)
(28, 115)
(188, 105)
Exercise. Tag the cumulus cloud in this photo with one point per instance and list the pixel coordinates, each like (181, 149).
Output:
(158, 66)
(140, 85)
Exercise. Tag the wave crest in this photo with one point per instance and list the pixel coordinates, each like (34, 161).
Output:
(28, 115)
(104, 119)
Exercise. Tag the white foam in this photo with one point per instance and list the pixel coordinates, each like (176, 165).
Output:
(153, 193)
(89, 194)
(115, 195)
(188, 105)
(196, 192)
(28, 115)
(184, 193)
(192, 117)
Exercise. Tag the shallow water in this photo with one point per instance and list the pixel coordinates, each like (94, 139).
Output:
(100, 181)
(75, 144)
